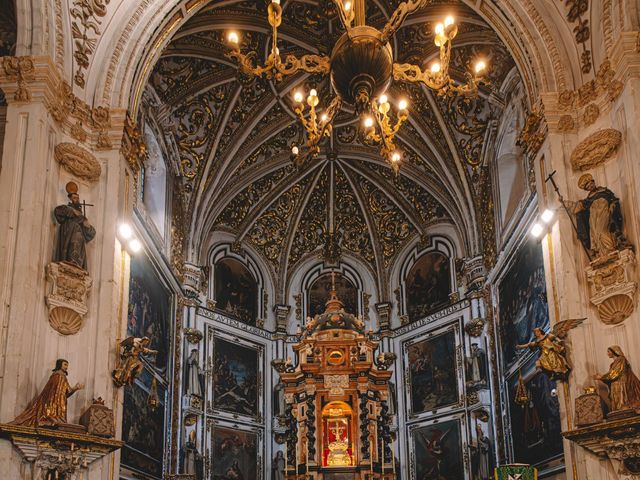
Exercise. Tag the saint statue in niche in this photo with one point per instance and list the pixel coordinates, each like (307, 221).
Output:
(481, 456)
(624, 386)
(194, 387)
(476, 366)
(278, 466)
(74, 232)
(599, 219)
(49, 409)
(192, 457)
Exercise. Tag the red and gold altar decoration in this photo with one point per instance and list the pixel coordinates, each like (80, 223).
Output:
(337, 395)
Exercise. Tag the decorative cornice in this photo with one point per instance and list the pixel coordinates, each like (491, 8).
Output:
(36, 79)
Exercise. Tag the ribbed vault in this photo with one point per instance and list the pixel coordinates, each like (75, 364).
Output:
(233, 136)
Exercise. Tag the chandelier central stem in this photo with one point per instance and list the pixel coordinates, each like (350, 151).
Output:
(359, 10)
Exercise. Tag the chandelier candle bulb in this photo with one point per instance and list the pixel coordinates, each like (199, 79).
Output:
(368, 122)
(435, 68)
(480, 66)
(347, 6)
(298, 97)
(324, 118)
(403, 105)
(233, 38)
(449, 21)
(295, 150)
(383, 99)
(439, 29)
(395, 157)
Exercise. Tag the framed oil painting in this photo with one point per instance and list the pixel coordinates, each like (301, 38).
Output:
(535, 425)
(436, 450)
(143, 427)
(235, 451)
(237, 376)
(434, 377)
(236, 290)
(428, 285)
(150, 310)
(522, 302)
(319, 294)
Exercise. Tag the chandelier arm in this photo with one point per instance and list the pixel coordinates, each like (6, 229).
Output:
(412, 73)
(398, 17)
(345, 17)
(331, 111)
(306, 63)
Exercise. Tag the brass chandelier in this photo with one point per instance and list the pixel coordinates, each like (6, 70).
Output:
(361, 68)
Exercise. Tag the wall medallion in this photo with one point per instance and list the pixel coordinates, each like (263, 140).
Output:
(596, 149)
(78, 161)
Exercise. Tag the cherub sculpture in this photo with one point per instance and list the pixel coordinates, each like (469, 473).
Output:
(553, 359)
(130, 364)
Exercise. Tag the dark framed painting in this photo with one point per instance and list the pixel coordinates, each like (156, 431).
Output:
(535, 425)
(236, 375)
(150, 310)
(522, 302)
(235, 452)
(436, 450)
(428, 285)
(143, 427)
(320, 289)
(433, 373)
(236, 290)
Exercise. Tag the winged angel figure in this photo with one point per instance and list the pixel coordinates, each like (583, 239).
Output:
(553, 354)
(130, 364)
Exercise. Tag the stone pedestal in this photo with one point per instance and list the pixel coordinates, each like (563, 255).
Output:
(59, 453)
(612, 286)
(67, 300)
(619, 441)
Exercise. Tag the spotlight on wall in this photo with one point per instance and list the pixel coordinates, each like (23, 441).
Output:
(537, 230)
(135, 246)
(547, 215)
(125, 231)
(127, 237)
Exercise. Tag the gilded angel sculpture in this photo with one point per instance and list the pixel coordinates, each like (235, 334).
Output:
(130, 365)
(553, 359)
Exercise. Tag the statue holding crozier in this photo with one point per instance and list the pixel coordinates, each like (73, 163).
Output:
(49, 409)
(75, 230)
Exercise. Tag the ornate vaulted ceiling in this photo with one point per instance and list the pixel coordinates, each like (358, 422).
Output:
(233, 136)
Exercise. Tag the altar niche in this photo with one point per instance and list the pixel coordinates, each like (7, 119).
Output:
(336, 401)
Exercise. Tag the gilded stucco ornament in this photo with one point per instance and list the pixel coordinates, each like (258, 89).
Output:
(566, 123)
(596, 149)
(533, 133)
(78, 161)
(591, 114)
(20, 69)
(87, 16)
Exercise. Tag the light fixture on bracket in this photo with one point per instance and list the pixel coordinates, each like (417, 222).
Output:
(361, 68)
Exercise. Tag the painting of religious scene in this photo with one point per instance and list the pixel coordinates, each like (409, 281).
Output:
(149, 313)
(428, 285)
(434, 381)
(235, 378)
(236, 290)
(522, 302)
(320, 289)
(438, 452)
(143, 427)
(234, 454)
(535, 418)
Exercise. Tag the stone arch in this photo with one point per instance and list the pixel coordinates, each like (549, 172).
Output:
(536, 40)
